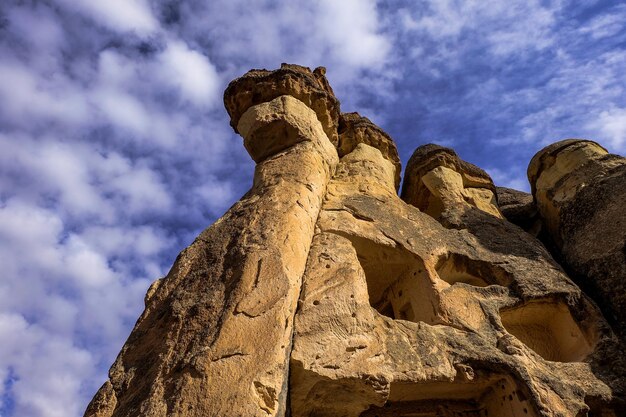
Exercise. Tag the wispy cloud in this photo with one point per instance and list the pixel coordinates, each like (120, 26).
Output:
(119, 15)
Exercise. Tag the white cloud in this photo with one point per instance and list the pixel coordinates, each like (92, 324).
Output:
(116, 241)
(606, 25)
(610, 126)
(351, 30)
(347, 36)
(119, 15)
(117, 71)
(57, 170)
(580, 100)
(55, 286)
(214, 193)
(50, 370)
(504, 27)
(27, 95)
(48, 33)
(84, 181)
(142, 190)
(190, 71)
(123, 110)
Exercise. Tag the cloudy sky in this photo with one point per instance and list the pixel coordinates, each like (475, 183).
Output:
(115, 148)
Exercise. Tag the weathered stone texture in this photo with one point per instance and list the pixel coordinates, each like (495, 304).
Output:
(580, 191)
(260, 86)
(402, 313)
(437, 180)
(215, 337)
(355, 129)
(323, 293)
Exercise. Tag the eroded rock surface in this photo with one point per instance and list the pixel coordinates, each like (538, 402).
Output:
(580, 190)
(215, 337)
(438, 182)
(355, 129)
(401, 314)
(323, 293)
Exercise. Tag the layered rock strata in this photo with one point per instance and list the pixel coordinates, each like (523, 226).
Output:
(323, 293)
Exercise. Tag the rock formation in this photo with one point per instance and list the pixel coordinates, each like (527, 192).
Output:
(324, 293)
(580, 191)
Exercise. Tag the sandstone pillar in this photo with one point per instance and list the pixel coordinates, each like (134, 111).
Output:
(216, 334)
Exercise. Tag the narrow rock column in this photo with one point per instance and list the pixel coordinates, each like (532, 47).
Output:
(580, 190)
(216, 334)
(334, 295)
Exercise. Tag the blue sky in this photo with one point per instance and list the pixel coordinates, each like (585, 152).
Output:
(115, 148)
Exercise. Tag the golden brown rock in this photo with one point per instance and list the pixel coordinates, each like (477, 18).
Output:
(355, 129)
(400, 315)
(322, 293)
(580, 191)
(259, 86)
(437, 180)
(215, 337)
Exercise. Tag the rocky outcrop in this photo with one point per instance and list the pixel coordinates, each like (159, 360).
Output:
(323, 293)
(355, 129)
(580, 190)
(400, 314)
(438, 181)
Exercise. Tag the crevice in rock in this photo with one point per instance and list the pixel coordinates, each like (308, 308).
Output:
(229, 355)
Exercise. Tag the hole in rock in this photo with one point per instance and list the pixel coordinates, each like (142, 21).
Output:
(491, 397)
(548, 328)
(455, 268)
(397, 282)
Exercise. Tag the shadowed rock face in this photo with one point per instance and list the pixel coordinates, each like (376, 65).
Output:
(519, 208)
(580, 191)
(323, 293)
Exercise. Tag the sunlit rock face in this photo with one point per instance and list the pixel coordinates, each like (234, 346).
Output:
(324, 293)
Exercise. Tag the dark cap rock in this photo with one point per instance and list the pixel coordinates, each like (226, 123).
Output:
(261, 85)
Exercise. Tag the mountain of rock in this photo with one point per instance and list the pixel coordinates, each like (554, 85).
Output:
(323, 292)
